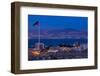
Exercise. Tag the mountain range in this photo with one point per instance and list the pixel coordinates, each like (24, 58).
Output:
(57, 34)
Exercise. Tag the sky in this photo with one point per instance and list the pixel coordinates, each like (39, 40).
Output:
(58, 22)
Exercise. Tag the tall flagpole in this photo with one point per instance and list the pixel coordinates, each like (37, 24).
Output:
(39, 37)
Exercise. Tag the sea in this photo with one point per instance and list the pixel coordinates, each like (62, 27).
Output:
(56, 42)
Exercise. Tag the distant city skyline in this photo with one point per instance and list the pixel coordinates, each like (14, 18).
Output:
(58, 22)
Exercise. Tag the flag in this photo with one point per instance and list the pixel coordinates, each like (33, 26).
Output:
(36, 23)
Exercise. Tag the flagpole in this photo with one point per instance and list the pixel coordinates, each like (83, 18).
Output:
(38, 29)
(39, 36)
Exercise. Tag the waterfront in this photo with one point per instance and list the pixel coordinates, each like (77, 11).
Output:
(58, 49)
(56, 42)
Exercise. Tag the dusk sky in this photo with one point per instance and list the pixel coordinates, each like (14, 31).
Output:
(58, 22)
